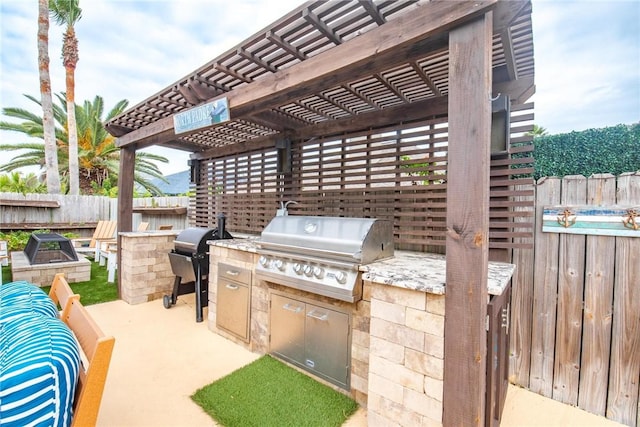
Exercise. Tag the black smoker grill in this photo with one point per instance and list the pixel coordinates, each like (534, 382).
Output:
(190, 263)
(45, 248)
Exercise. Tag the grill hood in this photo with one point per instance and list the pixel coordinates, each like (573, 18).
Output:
(194, 240)
(358, 240)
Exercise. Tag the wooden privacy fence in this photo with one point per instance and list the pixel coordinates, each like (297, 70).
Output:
(575, 333)
(54, 211)
(80, 213)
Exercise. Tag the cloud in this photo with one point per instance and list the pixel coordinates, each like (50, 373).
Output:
(587, 57)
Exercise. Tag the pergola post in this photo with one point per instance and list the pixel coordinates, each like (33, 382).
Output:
(470, 79)
(125, 196)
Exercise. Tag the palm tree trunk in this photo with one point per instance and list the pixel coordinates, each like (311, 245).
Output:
(50, 146)
(74, 170)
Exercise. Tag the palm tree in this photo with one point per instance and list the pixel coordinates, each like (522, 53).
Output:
(537, 131)
(68, 12)
(16, 183)
(99, 158)
(48, 134)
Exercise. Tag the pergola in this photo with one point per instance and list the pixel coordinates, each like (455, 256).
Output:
(330, 67)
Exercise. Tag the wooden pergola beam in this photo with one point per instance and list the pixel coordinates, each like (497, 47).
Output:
(405, 113)
(402, 39)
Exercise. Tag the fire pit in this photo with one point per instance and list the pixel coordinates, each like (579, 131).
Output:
(45, 248)
(44, 256)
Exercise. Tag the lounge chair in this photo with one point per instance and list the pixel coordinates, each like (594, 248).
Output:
(105, 230)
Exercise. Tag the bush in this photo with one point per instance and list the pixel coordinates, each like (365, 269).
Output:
(17, 240)
(612, 150)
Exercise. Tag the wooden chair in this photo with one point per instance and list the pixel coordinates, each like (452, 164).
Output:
(105, 230)
(61, 293)
(97, 348)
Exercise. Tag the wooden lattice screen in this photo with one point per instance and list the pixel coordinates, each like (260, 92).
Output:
(396, 172)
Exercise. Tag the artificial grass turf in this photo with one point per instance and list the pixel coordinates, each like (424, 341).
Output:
(269, 393)
(97, 289)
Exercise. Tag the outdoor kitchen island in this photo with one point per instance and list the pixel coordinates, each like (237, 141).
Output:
(396, 331)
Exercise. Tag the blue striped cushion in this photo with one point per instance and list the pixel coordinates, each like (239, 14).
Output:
(18, 298)
(39, 365)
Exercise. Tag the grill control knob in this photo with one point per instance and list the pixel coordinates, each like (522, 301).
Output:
(297, 268)
(308, 270)
(341, 277)
(280, 265)
(264, 261)
(318, 272)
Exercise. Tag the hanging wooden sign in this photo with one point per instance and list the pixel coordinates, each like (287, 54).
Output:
(201, 116)
(593, 220)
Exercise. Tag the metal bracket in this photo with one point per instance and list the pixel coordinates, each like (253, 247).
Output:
(505, 318)
(630, 221)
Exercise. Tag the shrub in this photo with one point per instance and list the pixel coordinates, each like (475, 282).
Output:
(607, 150)
(17, 240)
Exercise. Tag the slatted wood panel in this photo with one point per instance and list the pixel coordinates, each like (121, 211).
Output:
(589, 354)
(395, 172)
(522, 304)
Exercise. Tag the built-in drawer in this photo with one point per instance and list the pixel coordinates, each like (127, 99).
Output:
(233, 305)
(231, 272)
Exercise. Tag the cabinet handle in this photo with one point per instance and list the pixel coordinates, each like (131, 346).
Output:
(232, 287)
(315, 315)
(232, 272)
(294, 308)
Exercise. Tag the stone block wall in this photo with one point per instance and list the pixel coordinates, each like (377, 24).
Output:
(43, 274)
(360, 343)
(146, 273)
(406, 357)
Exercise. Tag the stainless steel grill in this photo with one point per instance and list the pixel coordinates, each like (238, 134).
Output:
(190, 263)
(322, 255)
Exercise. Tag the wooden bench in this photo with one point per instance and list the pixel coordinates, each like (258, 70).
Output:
(61, 293)
(96, 349)
(30, 203)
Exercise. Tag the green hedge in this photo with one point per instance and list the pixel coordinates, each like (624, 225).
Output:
(607, 150)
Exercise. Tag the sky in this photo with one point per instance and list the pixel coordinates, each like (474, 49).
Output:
(587, 55)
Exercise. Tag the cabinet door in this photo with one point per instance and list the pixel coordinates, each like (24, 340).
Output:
(327, 344)
(232, 313)
(287, 328)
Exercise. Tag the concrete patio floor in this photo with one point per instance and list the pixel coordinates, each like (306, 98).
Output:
(162, 356)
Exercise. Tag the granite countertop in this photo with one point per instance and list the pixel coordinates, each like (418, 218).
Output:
(241, 242)
(419, 271)
(427, 272)
(147, 233)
